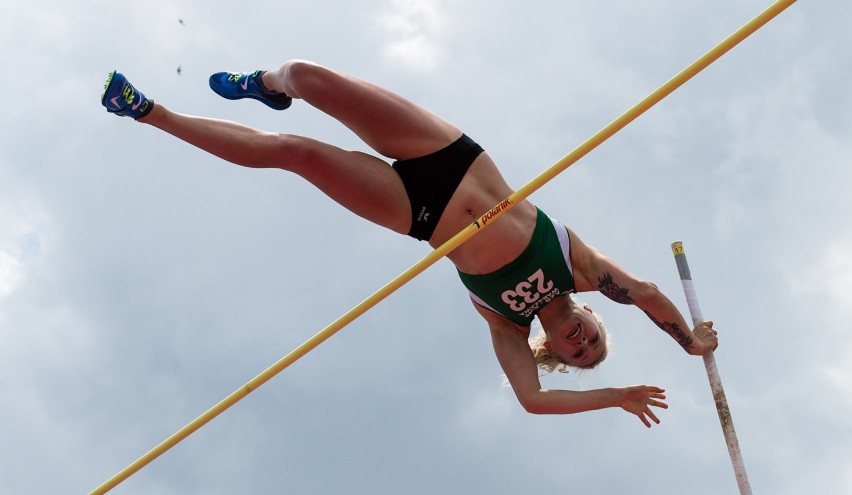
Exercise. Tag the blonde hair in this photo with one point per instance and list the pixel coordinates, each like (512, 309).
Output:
(548, 362)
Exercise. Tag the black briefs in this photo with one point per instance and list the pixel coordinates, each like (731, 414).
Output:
(431, 180)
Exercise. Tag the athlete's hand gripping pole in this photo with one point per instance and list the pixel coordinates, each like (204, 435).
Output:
(725, 417)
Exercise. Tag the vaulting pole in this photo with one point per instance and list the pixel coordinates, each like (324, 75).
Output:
(725, 417)
(454, 242)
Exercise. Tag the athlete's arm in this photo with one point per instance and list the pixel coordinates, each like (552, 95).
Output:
(594, 270)
(515, 357)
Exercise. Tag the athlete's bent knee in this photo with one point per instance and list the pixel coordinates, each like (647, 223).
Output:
(303, 75)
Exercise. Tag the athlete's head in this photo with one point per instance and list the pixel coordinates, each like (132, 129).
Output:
(574, 336)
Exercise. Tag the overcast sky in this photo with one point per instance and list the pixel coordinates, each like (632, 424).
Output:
(142, 280)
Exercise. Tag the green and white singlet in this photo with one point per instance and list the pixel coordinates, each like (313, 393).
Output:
(541, 273)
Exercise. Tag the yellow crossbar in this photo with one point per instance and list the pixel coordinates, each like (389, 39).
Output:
(454, 242)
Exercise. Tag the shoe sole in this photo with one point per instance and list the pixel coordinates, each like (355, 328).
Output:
(106, 86)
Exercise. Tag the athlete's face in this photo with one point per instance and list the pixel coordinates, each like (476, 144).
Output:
(577, 340)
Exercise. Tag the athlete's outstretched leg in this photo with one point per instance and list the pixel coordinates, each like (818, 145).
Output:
(390, 124)
(364, 184)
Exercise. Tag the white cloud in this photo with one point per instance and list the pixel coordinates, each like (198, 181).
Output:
(837, 272)
(829, 279)
(839, 376)
(830, 275)
(414, 31)
(10, 274)
(20, 223)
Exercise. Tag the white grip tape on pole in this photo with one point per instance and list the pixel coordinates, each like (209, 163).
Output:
(692, 301)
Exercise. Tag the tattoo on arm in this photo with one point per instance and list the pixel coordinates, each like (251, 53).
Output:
(608, 287)
(674, 330)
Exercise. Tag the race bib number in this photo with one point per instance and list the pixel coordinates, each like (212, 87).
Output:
(527, 292)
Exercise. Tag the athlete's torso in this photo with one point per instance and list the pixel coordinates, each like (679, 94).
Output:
(482, 188)
(519, 289)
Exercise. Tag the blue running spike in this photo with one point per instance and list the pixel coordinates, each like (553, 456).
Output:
(238, 85)
(121, 98)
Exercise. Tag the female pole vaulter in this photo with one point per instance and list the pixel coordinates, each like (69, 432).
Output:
(524, 266)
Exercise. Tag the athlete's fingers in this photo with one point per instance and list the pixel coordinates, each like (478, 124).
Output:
(653, 416)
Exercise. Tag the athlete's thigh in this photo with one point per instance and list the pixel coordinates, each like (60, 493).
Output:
(390, 124)
(364, 184)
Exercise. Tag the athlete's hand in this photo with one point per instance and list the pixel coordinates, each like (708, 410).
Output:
(706, 339)
(639, 399)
